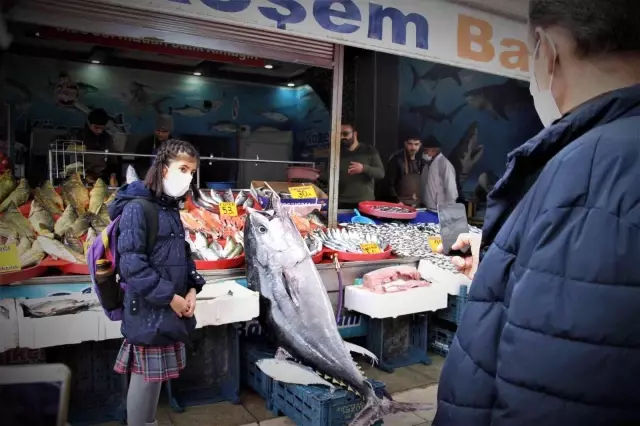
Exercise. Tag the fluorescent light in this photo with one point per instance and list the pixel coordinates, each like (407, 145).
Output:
(269, 66)
(198, 74)
(290, 84)
(95, 61)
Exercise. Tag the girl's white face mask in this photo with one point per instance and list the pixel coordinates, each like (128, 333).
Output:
(176, 183)
(543, 100)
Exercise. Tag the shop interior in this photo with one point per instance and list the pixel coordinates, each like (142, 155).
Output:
(228, 105)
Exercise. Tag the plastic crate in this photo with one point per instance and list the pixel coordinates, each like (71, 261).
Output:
(440, 340)
(456, 305)
(212, 373)
(316, 406)
(252, 376)
(97, 393)
(352, 324)
(399, 342)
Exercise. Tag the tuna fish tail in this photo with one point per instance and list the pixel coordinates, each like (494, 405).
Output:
(376, 408)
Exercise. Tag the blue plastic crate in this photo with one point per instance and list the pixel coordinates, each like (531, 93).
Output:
(353, 324)
(440, 340)
(456, 304)
(97, 393)
(212, 373)
(399, 342)
(316, 406)
(252, 376)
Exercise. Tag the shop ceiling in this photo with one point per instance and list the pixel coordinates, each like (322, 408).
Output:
(33, 41)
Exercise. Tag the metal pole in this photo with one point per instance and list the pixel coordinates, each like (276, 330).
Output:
(51, 166)
(336, 114)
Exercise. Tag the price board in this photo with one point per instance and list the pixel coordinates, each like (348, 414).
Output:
(434, 242)
(370, 248)
(302, 192)
(228, 209)
(9, 259)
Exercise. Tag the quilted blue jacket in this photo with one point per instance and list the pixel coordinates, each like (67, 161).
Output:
(551, 333)
(153, 280)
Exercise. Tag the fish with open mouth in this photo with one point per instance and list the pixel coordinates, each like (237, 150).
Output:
(297, 313)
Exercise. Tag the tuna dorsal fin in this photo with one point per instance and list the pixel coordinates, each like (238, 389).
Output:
(362, 351)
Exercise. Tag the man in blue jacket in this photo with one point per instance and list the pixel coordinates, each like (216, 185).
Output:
(551, 333)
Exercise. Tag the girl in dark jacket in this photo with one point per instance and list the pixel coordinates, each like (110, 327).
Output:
(161, 287)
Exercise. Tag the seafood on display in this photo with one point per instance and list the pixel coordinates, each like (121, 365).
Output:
(350, 240)
(392, 209)
(56, 306)
(202, 249)
(300, 316)
(56, 224)
(393, 279)
(409, 240)
(212, 199)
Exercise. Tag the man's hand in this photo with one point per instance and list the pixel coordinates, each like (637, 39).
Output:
(191, 301)
(355, 168)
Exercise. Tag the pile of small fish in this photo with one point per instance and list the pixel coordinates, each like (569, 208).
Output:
(409, 240)
(202, 249)
(214, 198)
(392, 209)
(60, 225)
(349, 240)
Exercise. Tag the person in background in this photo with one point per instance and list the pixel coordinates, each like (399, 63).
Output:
(438, 180)
(550, 333)
(95, 138)
(150, 144)
(160, 298)
(403, 173)
(360, 167)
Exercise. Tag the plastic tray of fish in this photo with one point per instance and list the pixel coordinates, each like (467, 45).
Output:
(387, 210)
(348, 244)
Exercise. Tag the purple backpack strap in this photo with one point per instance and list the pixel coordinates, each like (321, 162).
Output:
(97, 252)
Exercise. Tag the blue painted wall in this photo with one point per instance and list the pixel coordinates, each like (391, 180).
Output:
(58, 94)
(450, 103)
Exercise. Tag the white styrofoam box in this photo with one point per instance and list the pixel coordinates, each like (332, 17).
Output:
(60, 330)
(442, 278)
(8, 325)
(392, 305)
(225, 303)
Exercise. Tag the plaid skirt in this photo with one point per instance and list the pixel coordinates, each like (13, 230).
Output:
(155, 363)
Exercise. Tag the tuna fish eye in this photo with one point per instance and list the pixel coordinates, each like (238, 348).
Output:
(262, 229)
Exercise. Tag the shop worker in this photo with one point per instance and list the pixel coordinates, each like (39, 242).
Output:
(550, 335)
(95, 138)
(360, 167)
(150, 144)
(403, 173)
(438, 180)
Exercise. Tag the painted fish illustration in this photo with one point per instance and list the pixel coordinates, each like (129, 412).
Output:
(188, 111)
(436, 73)
(497, 99)
(224, 126)
(86, 87)
(157, 104)
(280, 268)
(56, 307)
(115, 123)
(275, 116)
(139, 98)
(430, 112)
(466, 154)
(310, 112)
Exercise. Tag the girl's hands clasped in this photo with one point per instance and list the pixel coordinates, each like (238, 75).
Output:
(184, 306)
(191, 301)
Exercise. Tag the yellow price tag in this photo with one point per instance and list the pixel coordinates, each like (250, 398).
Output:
(228, 209)
(302, 192)
(9, 259)
(434, 242)
(370, 248)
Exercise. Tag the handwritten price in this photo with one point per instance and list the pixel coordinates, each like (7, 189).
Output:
(228, 209)
(302, 192)
(434, 242)
(370, 248)
(9, 259)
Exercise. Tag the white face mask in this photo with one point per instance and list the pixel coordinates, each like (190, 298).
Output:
(427, 157)
(176, 183)
(546, 106)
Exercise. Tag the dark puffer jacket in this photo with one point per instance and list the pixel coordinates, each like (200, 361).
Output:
(551, 333)
(153, 281)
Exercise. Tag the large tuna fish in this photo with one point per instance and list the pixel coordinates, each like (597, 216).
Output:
(296, 310)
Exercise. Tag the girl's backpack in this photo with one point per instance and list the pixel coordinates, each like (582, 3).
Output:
(109, 288)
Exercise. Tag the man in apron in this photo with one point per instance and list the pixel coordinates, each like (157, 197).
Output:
(403, 173)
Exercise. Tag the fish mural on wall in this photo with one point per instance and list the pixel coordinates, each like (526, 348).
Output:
(477, 118)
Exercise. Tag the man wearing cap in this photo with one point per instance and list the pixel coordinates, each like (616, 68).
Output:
(149, 145)
(438, 179)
